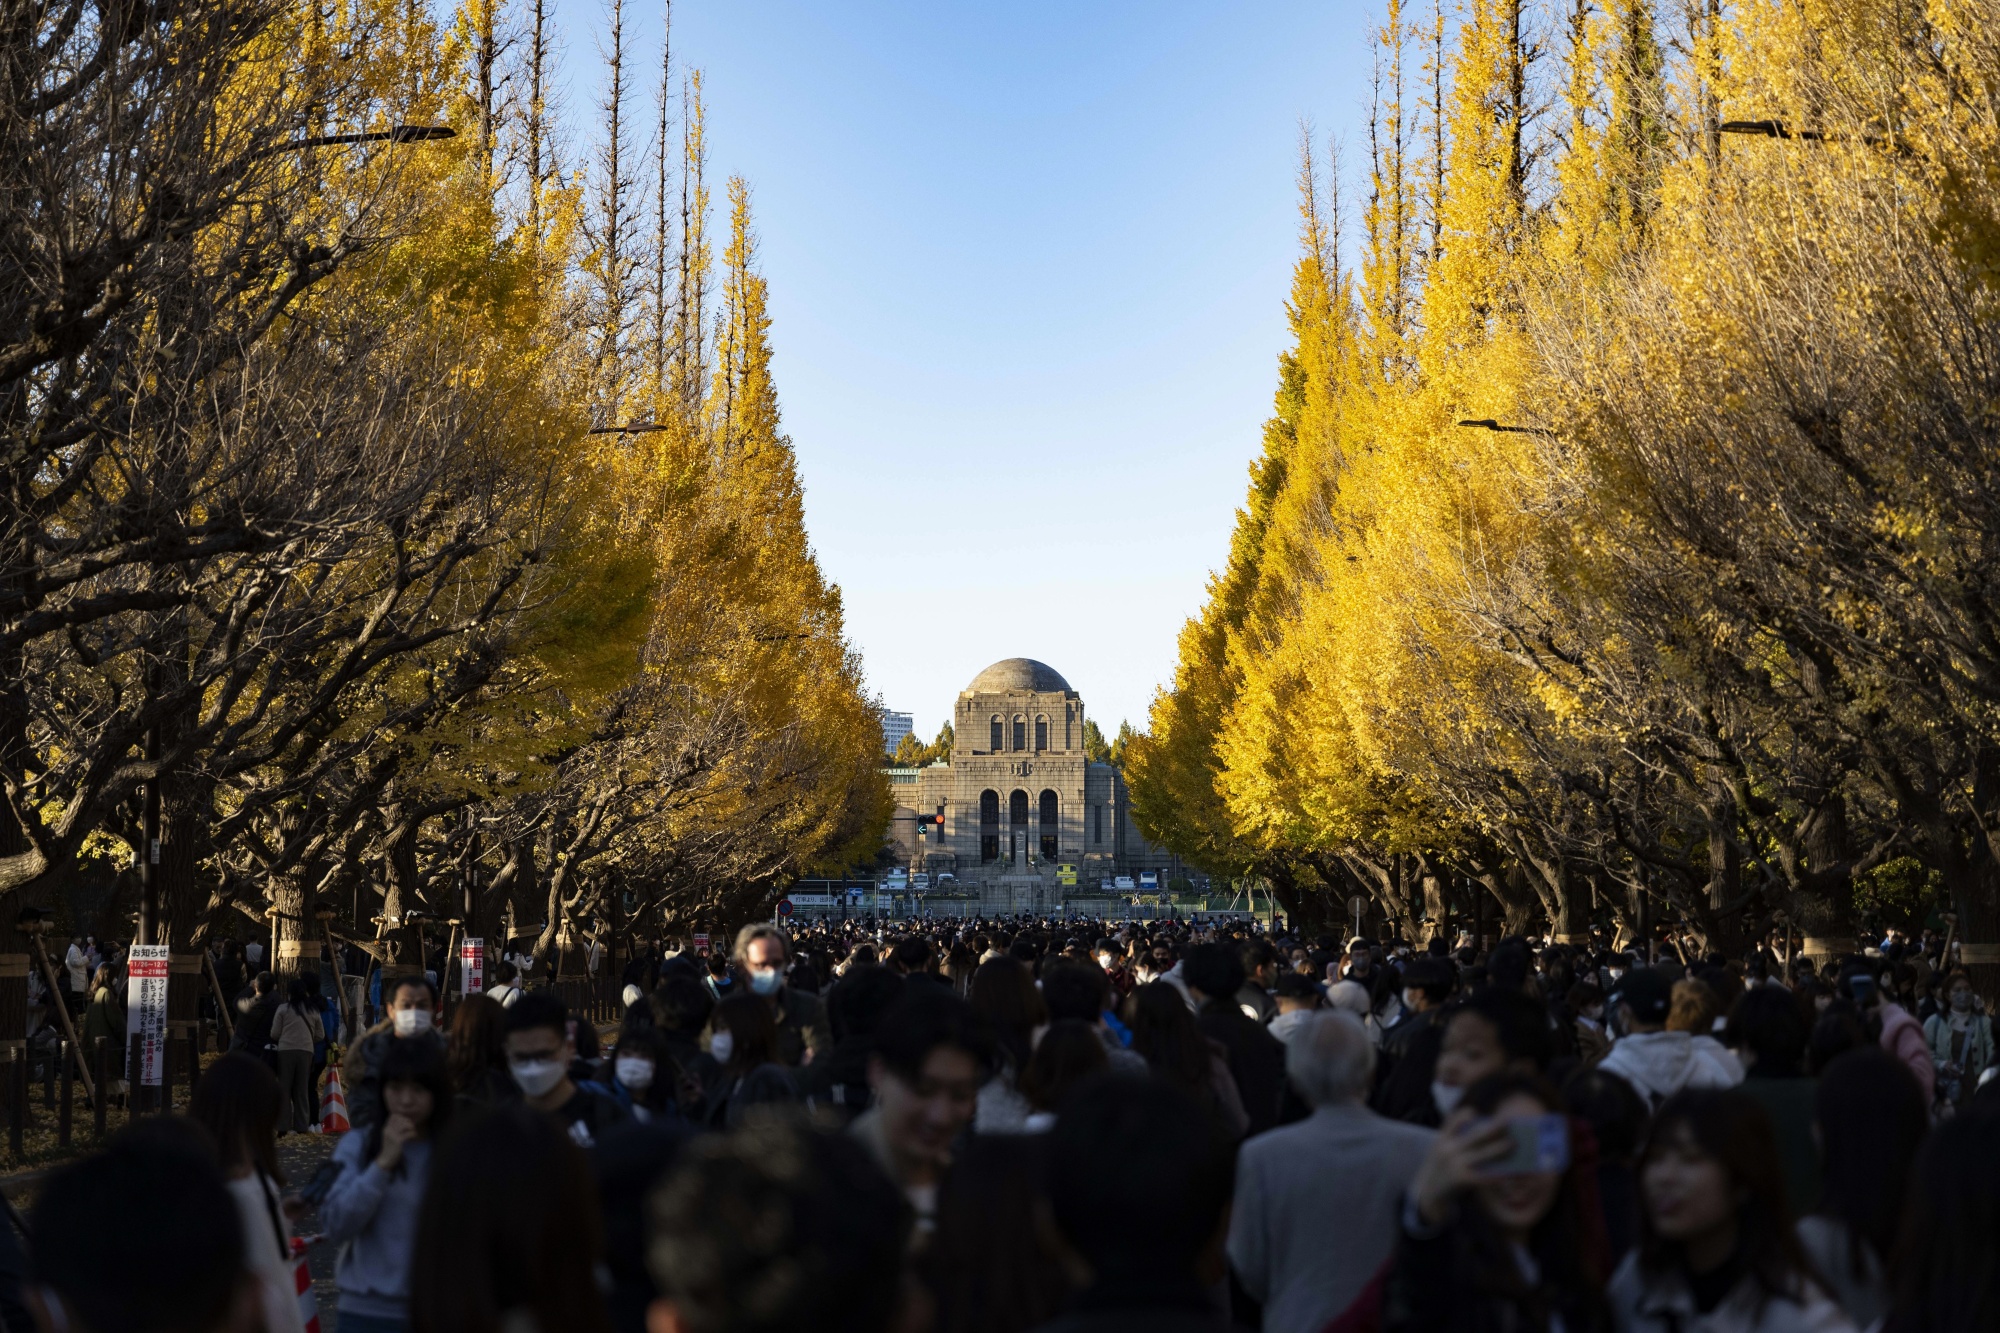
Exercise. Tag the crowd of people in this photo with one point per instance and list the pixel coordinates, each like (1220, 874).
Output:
(1084, 1127)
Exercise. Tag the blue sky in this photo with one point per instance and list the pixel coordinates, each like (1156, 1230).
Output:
(1027, 266)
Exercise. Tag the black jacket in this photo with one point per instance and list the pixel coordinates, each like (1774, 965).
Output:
(1256, 1061)
(1252, 996)
(1434, 1286)
(1406, 1094)
(1149, 1307)
(836, 1084)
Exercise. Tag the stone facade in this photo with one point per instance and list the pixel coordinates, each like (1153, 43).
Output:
(1019, 797)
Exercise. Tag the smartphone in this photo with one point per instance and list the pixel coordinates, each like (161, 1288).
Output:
(1538, 1143)
(1862, 987)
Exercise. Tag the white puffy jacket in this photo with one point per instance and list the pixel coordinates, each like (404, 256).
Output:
(1660, 1064)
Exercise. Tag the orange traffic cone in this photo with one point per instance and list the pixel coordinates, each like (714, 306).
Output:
(333, 1104)
(302, 1283)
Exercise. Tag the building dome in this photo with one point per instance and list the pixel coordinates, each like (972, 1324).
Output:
(1018, 673)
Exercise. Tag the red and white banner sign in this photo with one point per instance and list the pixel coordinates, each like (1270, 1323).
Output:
(146, 1006)
(472, 957)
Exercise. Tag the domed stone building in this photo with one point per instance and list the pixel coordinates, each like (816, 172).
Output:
(1019, 799)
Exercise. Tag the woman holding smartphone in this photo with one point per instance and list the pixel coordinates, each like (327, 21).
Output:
(1496, 1237)
(1717, 1252)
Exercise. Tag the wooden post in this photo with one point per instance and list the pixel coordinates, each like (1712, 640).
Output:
(339, 977)
(66, 1108)
(225, 1026)
(194, 1063)
(135, 1071)
(17, 1089)
(62, 1011)
(444, 974)
(166, 1095)
(101, 1057)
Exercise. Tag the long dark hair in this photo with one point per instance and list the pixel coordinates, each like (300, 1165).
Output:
(1568, 1243)
(239, 1103)
(1069, 1052)
(1727, 1125)
(408, 1060)
(478, 1041)
(1944, 1273)
(1872, 1121)
(990, 1267)
(1003, 993)
(753, 1032)
(509, 1222)
(1165, 1032)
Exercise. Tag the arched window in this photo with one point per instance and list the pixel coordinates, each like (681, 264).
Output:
(999, 740)
(1020, 732)
(1017, 820)
(989, 822)
(1041, 733)
(1051, 825)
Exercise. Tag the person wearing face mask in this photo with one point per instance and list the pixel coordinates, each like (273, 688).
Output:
(1111, 957)
(539, 1054)
(1717, 1252)
(1492, 1031)
(1298, 999)
(1961, 1042)
(762, 955)
(642, 1074)
(1409, 1054)
(1585, 1002)
(412, 1016)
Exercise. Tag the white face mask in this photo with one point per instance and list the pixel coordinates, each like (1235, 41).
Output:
(536, 1077)
(1961, 1000)
(1446, 1096)
(411, 1022)
(1410, 1000)
(721, 1045)
(634, 1072)
(765, 980)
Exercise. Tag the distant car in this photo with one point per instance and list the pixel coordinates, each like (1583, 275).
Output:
(920, 881)
(1123, 882)
(945, 877)
(1149, 879)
